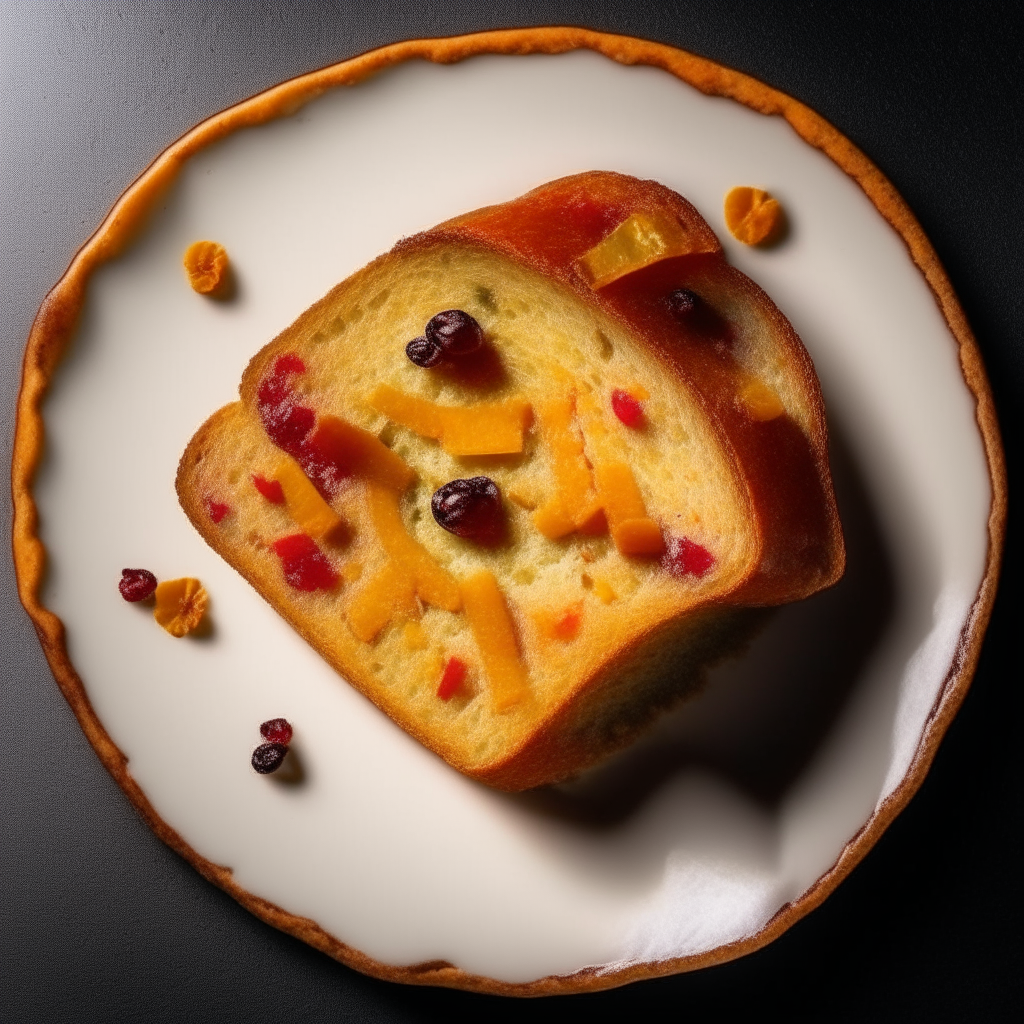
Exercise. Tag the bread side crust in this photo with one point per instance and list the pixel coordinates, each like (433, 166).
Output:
(54, 329)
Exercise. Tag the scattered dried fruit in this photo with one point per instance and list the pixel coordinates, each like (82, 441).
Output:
(136, 584)
(455, 333)
(752, 215)
(454, 674)
(277, 730)
(685, 557)
(180, 605)
(206, 264)
(267, 757)
(270, 489)
(470, 509)
(303, 563)
(217, 509)
(424, 353)
(627, 408)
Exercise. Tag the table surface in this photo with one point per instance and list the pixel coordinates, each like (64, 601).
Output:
(99, 920)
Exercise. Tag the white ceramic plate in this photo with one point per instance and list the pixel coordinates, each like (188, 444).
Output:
(734, 806)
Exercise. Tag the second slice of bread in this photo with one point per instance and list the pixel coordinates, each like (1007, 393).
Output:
(730, 458)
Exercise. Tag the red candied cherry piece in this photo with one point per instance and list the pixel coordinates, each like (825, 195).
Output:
(285, 422)
(451, 679)
(627, 408)
(686, 557)
(270, 489)
(217, 509)
(136, 584)
(277, 730)
(304, 564)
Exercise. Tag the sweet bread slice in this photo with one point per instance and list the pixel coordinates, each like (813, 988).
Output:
(522, 533)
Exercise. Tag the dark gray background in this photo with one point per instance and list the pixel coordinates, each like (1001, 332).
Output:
(100, 922)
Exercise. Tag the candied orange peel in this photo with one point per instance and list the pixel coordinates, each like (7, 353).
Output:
(753, 216)
(180, 605)
(206, 264)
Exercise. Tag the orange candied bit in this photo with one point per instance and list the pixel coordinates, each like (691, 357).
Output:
(351, 571)
(389, 592)
(752, 215)
(180, 605)
(491, 623)
(434, 585)
(561, 624)
(360, 453)
(306, 506)
(490, 428)
(420, 415)
(758, 400)
(633, 531)
(574, 505)
(640, 240)
(603, 589)
(206, 264)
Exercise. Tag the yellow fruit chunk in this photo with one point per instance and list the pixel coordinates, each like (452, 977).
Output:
(633, 531)
(180, 605)
(640, 240)
(574, 505)
(388, 592)
(491, 428)
(759, 401)
(206, 264)
(602, 588)
(415, 636)
(752, 215)
(306, 506)
(360, 453)
(434, 585)
(495, 637)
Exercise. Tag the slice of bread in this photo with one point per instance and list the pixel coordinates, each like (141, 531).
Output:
(661, 460)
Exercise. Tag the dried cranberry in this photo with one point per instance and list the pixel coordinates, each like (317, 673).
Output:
(470, 509)
(270, 489)
(451, 680)
(277, 730)
(627, 408)
(424, 353)
(686, 557)
(304, 565)
(136, 584)
(454, 332)
(684, 303)
(267, 757)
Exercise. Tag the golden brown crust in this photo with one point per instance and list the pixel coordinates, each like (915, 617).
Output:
(54, 327)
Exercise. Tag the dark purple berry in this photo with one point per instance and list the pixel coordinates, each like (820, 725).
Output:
(267, 757)
(470, 509)
(455, 333)
(423, 353)
(683, 303)
(698, 317)
(277, 730)
(136, 584)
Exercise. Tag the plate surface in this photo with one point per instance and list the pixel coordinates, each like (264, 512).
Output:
(736, 804)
